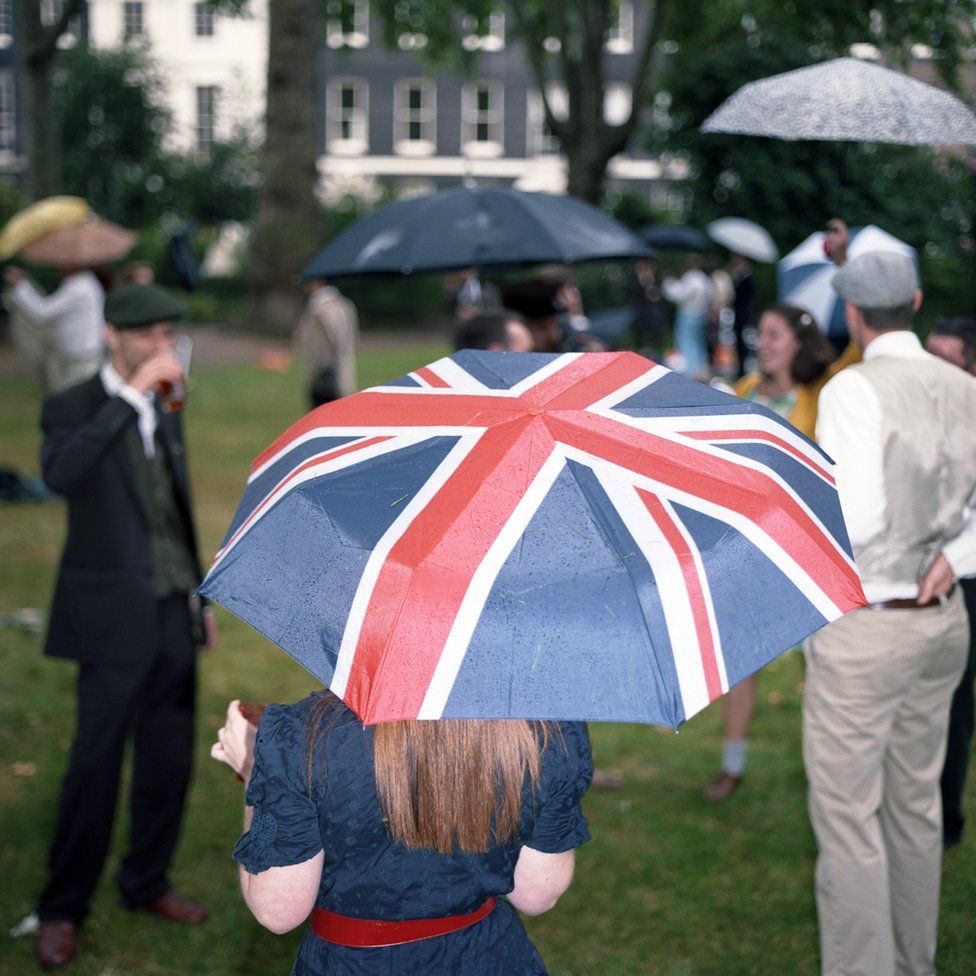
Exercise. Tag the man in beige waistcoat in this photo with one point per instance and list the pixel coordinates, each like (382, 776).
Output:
(880, 679)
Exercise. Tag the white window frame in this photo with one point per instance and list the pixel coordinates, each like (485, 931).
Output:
(617, 100)
(205, 125)
(133, 7)
(358, 37)
(6, 23)
(539, 141)
(204, 21)
(50, 11)
(356, 142)
(493, 39)
(620, 34)
(404, 116)
(8, 114)
(471, 119)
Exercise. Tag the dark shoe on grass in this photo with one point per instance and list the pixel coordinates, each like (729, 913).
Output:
(722, 787)
(175, 907)
(57, 944)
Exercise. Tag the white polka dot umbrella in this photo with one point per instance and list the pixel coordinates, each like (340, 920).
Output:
(846, 100)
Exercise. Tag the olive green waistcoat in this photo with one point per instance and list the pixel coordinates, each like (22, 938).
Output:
(173, 567)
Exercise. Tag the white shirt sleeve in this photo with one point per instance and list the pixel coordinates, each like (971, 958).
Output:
(961, 551)
(849, 429)
(43, 309)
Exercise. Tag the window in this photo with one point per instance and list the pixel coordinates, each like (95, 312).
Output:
(346, 115)
(8, 129)
(409, 16)
(481, 118)
(483, 33)
(415, 116)
(539, 140)
(207, 96)
(204, 20)
(620, 35)
(351, 32)
(132, 25)
(616, 103)
(51, 10)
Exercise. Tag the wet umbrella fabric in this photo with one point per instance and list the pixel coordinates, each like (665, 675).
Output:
(681, 237)
(744, 237)
(846, 100)
(95, 241)
(804, 275)
(503, 535)
(474, 227)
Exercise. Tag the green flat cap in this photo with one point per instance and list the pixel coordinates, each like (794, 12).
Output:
(136, 306)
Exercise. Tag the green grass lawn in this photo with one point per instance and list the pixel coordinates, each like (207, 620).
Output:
(668, 886)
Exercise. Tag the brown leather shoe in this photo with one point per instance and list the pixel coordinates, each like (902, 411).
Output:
(57, 944)
(722, 787)
(175, 907)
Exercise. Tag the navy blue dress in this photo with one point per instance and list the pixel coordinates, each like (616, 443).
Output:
(367, 874)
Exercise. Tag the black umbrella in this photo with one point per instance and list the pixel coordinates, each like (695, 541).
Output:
(474, 227)
(678, 236)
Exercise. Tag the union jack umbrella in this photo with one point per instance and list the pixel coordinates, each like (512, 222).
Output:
(503, 535)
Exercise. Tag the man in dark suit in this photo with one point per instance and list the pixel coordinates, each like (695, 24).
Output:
(122, 609)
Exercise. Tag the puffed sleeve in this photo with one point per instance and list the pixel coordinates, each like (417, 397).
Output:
(284, 828)
(567, 769)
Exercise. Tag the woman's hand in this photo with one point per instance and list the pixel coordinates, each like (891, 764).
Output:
(235, 742)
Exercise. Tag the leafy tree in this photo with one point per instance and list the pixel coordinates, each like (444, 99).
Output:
(112, 123)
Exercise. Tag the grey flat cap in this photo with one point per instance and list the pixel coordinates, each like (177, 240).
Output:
(878, 279)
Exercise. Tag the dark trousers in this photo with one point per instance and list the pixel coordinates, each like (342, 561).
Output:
(153, 703)
(960, 732)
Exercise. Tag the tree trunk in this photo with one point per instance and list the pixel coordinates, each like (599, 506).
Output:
(285, 230)
(35, 58)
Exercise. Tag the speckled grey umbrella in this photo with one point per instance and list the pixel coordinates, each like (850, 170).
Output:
(847, 100)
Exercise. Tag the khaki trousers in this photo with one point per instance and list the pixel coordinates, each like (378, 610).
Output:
(875, 712)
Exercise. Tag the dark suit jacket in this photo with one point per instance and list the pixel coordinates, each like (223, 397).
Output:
(104, 604)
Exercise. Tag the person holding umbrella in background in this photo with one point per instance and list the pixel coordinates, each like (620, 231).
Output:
(795, 363)
(68, 322)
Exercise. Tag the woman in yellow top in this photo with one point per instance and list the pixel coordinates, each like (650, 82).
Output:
(795, 362)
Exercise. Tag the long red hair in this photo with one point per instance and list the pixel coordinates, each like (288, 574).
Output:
(449, 785)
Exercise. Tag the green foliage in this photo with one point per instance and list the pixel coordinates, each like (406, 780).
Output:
(113, 125)
(109, 105)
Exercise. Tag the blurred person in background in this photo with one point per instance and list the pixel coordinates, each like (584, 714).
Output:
(650, 319)
(954, 340)
(124, 609)
(498, 331)
(795, 362)
(326, 338)
(692, 294)
(65, 330)
(742, 306)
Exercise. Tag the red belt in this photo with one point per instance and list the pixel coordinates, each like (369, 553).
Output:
(369, 933)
